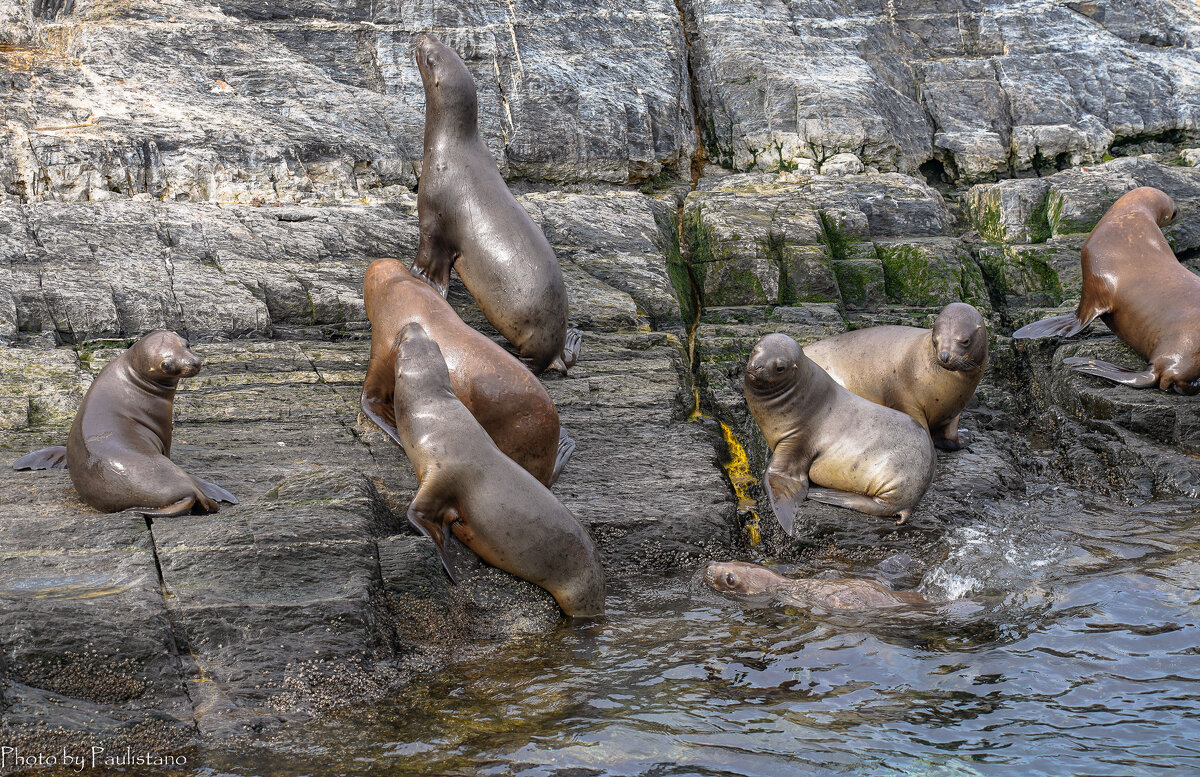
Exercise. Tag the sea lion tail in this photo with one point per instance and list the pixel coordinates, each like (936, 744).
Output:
(1122, 375)
(566, 446)
(54, 457)
(1066, 325)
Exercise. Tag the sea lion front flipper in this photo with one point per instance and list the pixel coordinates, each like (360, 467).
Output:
(54, 457)
(787, 485)
(949, 437)
(566, 446)
(1123, 375)
(381, 413)
(429, 514)
(1066, 325)
(214, 492)
(433, 263)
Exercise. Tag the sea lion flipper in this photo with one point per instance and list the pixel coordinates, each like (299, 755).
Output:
(182, 507)
(1067, 325)
(433, 264)
(380, 412)
(54, 457)
(566, 446)
(787, 486)
(214, 492)
(871, 505)
(570, 352)
(423, 521)
(1123, 375)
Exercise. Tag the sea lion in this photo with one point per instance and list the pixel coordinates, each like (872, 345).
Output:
(929, 374)
(507, 400)
(1135, 284)
(745, 579)
(868, 457)
(118, 451)
(470, 221)
(495, 507)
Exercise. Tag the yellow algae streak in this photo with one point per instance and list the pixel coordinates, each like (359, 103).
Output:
(740, 477)
(738, 469)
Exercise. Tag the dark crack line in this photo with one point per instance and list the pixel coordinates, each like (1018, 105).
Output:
(176, 629)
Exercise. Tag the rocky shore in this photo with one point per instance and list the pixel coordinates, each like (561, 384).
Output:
(706, 173)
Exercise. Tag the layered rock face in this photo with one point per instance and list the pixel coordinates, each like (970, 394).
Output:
(229, 169)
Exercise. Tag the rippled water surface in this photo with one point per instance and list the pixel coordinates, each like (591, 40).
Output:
(1069, 645)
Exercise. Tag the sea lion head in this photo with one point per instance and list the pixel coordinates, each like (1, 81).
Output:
(420, 366)
(449, 87)
(774, 365)
(1154, 202)
(960, 339)
(164, 357)
(741, 578)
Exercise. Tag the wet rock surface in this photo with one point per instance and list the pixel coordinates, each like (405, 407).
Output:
(228, 170)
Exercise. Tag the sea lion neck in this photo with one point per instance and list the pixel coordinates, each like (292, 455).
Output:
(164, 388)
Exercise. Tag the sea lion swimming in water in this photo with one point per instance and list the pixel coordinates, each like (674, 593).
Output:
(470, 221)
(746, 579)
(928, 374)
(467, 485)
(1133, 281)
(118, 451)
(505, 397)
(866, 456)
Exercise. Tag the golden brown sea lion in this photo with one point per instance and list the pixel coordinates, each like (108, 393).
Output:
(739, 577)
(929, 374)
(494, 506)
(470, 221)
(504, 396)
(1135, 284)
(118, 451)
(868, 457)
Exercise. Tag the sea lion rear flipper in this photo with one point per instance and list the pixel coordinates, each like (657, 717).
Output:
(182, 507)
(1123, 375)
(1066, 325)
(566, 446)
(54, 457)
(214, 492)
(424, 521)
(570, 352)
(571, 348)
(871, 505)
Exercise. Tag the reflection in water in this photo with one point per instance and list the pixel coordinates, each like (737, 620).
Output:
(1066, 643)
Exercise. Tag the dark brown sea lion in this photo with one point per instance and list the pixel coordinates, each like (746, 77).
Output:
(929, 374)
(505, 397)
(868, 457)
(496, 508)
(1134, 283)
(739, 577)
(118, 451)
(470, 221)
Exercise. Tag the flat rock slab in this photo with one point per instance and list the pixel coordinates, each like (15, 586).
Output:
(312, 592)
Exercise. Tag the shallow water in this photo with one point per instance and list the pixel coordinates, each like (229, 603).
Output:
(1069, 644)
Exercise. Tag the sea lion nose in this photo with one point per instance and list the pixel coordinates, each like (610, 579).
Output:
(945, 357)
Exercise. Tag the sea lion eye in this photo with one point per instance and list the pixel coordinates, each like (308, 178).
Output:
(730, 578)
(965, 341)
